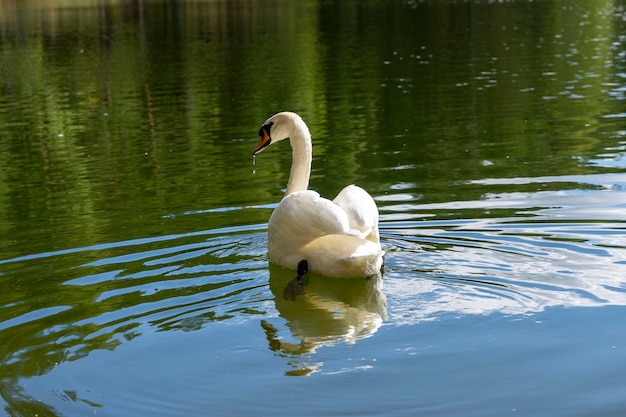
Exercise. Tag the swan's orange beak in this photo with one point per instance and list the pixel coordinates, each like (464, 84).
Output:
(264, 142)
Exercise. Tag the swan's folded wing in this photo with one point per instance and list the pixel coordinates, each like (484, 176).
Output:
(360, 208)
(305, 216)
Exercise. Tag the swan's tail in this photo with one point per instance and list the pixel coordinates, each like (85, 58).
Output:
(343, 256)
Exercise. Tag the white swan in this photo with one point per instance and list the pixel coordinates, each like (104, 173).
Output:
(337, 238)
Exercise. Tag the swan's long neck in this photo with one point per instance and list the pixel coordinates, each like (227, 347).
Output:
(302, 154)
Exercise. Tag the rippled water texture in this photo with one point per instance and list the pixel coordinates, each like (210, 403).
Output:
(133, 222)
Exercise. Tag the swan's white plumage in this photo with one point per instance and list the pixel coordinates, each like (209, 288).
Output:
(337, 238)
(361, 210)
(300, 218)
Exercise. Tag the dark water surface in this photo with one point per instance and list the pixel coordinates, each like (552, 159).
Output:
(133, 265)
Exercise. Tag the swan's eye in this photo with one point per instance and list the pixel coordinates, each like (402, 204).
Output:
(266, 128)
(266, 139)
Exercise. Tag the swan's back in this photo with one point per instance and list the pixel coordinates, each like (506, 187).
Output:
(299, 219)
(337, 241)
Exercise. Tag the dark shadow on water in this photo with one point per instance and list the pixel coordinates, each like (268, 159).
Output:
(295, 287)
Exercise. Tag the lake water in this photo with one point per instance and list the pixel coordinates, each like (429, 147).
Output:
(133, 223)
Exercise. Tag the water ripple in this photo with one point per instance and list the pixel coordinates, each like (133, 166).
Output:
(127, 289)
(101, 297)
(511, 265)
(550, 249)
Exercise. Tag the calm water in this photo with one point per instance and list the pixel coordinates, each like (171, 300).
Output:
(133, 265)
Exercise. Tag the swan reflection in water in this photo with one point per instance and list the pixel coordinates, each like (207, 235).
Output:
(321, 312)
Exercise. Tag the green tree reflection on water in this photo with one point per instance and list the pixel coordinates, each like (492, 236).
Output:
(111, 110)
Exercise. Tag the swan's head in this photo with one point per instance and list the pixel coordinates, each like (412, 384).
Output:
(278, 127)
